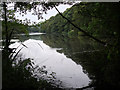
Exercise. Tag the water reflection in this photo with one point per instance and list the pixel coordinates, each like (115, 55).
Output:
(92, 57)
(70, 57)
(66, 69)
(71, 46)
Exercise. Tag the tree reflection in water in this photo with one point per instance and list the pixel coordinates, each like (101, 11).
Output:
(93, 58)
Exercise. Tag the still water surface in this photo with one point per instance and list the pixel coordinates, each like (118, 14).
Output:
(55, 52)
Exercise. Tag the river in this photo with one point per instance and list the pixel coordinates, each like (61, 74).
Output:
(59, 54)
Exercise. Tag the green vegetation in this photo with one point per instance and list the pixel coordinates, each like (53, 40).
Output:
(33, 29)
(17, 28)
(103, 71)
(18, 73)
(98, 19)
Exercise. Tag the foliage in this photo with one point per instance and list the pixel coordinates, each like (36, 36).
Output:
(100, 63)
(17, 28)
(98, 19)
(91, 17)
(23, 7)
(20, 73)
(72, 33)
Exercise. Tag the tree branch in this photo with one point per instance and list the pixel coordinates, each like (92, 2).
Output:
(86, 33)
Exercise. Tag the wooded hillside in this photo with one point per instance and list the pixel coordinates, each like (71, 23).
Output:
(98, 19)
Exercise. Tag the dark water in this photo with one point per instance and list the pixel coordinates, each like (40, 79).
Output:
(77, 62)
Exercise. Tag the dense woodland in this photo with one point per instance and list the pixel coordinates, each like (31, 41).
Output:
(100, 20)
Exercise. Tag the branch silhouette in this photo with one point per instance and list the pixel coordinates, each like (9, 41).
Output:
(86, 33)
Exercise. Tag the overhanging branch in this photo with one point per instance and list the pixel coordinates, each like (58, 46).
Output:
(86, 33)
